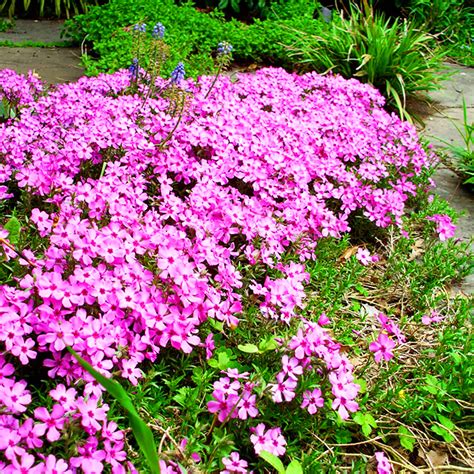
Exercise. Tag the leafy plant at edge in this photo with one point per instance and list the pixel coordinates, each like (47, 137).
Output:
(141, 431)
(392, 55)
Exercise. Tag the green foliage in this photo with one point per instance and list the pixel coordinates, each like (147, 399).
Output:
(293, 468)
(59, 8)
(6, 24)
(394, 56)
(192, 36)
(451, 20)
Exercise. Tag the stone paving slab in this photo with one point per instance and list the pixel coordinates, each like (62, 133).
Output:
(54, 65)
(41, 31)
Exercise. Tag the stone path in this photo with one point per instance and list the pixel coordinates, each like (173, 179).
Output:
(55, 65)
(446, 109)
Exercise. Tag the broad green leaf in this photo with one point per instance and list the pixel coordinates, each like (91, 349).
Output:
(407, 440)
(430, 380)
(248, 348)
(273, 461)
(141, 431)
(13, 226)
(446, 422)
(294, 468)
(361, 289)
(445, 434)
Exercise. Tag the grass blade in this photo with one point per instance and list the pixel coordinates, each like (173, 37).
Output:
(141, 431)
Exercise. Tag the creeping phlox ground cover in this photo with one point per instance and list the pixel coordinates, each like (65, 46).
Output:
(153, 235)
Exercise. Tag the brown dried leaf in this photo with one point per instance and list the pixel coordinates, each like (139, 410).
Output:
(348, 253)
(436, 458)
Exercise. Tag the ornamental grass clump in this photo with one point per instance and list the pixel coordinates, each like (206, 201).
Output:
(393, 55)
(143, 242)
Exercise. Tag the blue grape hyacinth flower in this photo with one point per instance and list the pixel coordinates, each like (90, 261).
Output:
(178, 73)
(224, 48)
(158, 31)
(140, 27)
(133, 69)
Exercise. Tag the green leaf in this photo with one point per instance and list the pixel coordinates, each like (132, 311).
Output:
(248, 348)
(141, 431)
(343, 436)
(273, 461)
(407, 440)
(268, 345)
(13, 226)
(366, 421)
(294, 468)
(363, 385)
(361, 289)
(446, 422)
(445, 434)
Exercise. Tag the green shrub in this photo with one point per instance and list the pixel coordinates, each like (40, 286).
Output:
(191, 35)
(393, 55)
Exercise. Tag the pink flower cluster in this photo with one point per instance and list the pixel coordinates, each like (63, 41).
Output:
(232, 398)
(382, 347)
(270, 440)
(444, 226)
(141, 241)
(310, 345)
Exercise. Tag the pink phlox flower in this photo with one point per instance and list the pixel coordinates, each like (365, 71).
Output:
(30, 433)
(391, 327)
(91, 414)
(383, 463)
(323, 320)
(209, 345)
(23, 349)
(223, 404)
(65, 396)
(363, 255)
(382, 347)
(284, 389)
(14, 396)
(343, 406)
(130, 371)
(52, 465)
(312, 400)
(226, 385)
(291, 367)
(271, 440)
(10, 443)
(233, 464)
(235, 374)
(23, 465)
(247, 406)
(434, 317)
(52, 422)
(444, 226)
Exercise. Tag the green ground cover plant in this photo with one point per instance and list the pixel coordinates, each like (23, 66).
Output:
(393, 55)
(191, 34)
(176, 285)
